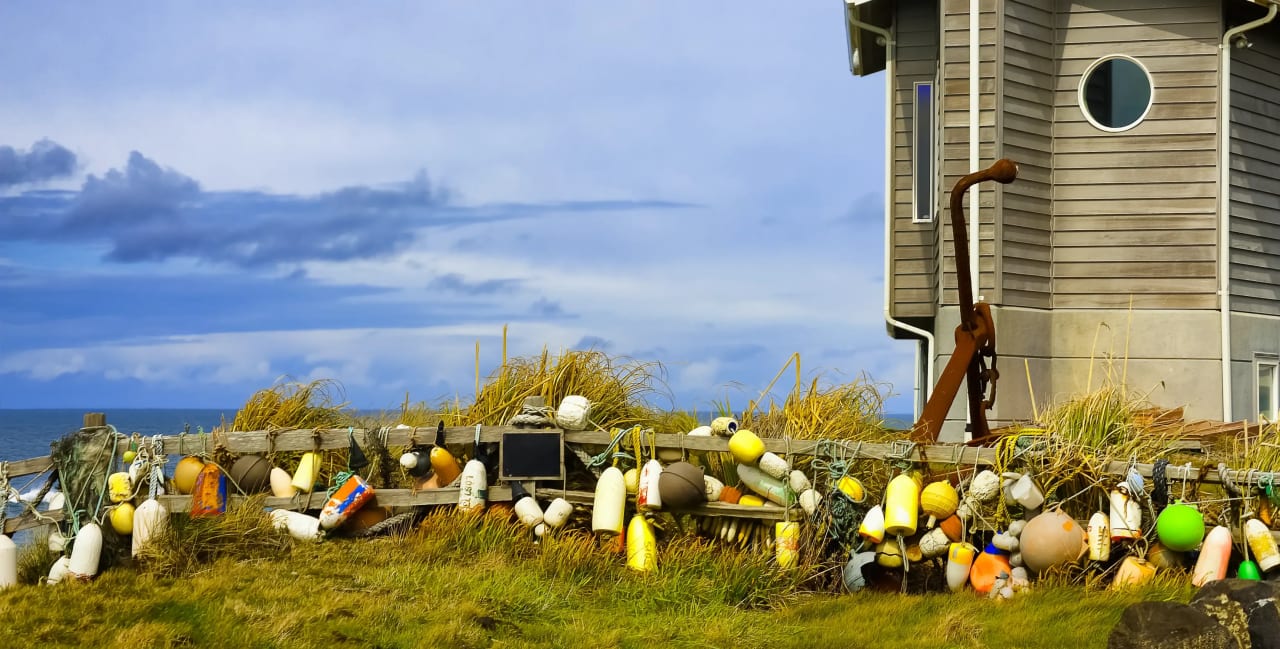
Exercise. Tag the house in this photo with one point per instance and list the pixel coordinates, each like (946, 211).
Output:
(1144, 226)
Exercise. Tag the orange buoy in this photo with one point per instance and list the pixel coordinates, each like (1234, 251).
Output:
(351, 495)
(209, 497)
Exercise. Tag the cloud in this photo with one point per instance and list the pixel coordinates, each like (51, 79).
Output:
(544, 308)
(149, 213)
(46, 160)
(593, 342)
(455, 282)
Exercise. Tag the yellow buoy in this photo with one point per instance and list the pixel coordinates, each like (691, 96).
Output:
(1133, 572)
(751, 501)
(889, 553)
(850, 487)
(184, 475)
(787, 543)
(939, 500)
(642, 548)
(122, 519)
(959, 561)
(872, 526)
(901, 508)
(1262, 543)
(746, 447)
(632, 480)
(118, 486)
(304, 479)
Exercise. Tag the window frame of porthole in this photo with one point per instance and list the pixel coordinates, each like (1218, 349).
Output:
(1084, 78)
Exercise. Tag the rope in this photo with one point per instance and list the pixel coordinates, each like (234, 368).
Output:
(1160, 486)
(609, 451)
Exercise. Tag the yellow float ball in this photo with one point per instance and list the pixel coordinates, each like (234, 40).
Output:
(122, 519)
(746, 447)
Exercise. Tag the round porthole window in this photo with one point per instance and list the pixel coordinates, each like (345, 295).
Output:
(1115, 93)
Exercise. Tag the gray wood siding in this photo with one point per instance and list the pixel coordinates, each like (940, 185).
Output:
(1134, 213)
(955, 136)
(913, 246)
(1255, 174)
(1026, 136)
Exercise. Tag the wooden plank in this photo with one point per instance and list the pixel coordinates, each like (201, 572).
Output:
(769, 512)
(19, 468)
(29, 521)
(180, 504)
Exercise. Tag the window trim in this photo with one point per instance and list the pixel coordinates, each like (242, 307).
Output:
(1261, 360)
(929, 158)
(1151, 98)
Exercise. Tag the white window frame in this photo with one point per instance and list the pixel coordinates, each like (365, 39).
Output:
(1084, 109)
(930, 157)
(1263, 361)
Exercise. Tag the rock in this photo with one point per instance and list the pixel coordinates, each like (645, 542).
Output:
(1246, 608)
(1168, 625)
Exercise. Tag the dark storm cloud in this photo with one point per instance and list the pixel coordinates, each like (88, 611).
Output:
(146, 212)
(45, 160)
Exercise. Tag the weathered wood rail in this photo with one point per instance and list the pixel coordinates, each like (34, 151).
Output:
(240, 442)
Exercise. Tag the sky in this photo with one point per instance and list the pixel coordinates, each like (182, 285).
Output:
(196, 203)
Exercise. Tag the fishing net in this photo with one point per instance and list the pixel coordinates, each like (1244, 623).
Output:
(83, 460)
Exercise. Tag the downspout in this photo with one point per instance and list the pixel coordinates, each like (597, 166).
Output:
(975, 74)
(925, 336)
(1224, 200)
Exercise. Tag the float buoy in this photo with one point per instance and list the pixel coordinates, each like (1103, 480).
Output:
(642, 554)
(1126, 516)
(300, 526)
(987, 566)
(1051, 538)
(959, 562)
(282, 483)
(610, 500)
(901, 508)
(304, 478)
(648, 496)
(527, 509)
(1133, 572)
(574, 413)
(872, 526)
(938, 501)
(8, 562)
(724, 426)
(251, 474)
(1215, 553)
(1262, 543)
(184, 475)
(682, 485)
(557, 513)
(773, 464)
(118, 487)
(762, 483)
(351, 495)
(1099, 533)
(209, 497)
(809, 501)
(149, 519)
(122, 518)
(746, 447)
(1180, 527)
(473, 488)
(85, 552)
(786, 543)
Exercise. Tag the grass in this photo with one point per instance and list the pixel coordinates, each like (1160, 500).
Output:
(480, 581)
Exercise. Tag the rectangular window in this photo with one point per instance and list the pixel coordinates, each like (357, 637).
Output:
(922, 194)
(1268, 369)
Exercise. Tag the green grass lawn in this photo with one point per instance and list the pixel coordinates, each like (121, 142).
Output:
(481, 582)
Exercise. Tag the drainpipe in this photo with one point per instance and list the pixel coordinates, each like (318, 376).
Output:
(974, 134)
(926, 338)
(1224, 200)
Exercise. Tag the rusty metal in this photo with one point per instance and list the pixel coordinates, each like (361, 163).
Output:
(975, 335)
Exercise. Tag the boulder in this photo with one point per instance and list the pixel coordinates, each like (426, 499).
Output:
(1169, 625)
(1245, 608)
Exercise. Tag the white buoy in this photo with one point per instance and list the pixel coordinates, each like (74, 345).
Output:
(8, 562)
(300, 526)
(57, 501)
(529, 512)
(86, 551)
(282, 483)
(647, 495)
(149, 519)
(610, 501)
(57, 542)
(473, 488)
(557, 513)
(59, 570)
(574, 413)
(773, 464)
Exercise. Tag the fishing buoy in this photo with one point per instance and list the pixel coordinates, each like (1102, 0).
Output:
(364, 519)
(574, 413)
(773, 465)
(987, 566)
(642, 548)
(57, 542)
(953, 527)
(681, 486)
(527, 509)
(149, 520)
(959, 562)
(786, 543)
(632, 480)
(474, 488)
(985, 486)
(724, 426)
(300, 526)
(351, 495)
(854, 579)
(118, 487)
(1133, 572)
(58, 571)
(1262, 543)
(1180, 527)
(934, 543)
(938, 500)
(711, 488)
(771, 488)
(58, 500)
(889, 553)
(8, 562)
(281, 483)
(1025, 492)
(872, 526)
(1005, 541)
(557, 513)
(251, 474)
(798, 481)
(901, 508)
(1248, 570)
(1165, 559)
(610, 500)
(184, 475)
(1126, 516)
(443, 463)
(730, 495)
(1215, 553)
(209, 497)
(122, 518)
(410, 460)
(137, 469)
(810, 499)
(746, 447)
(86, 549)
(1051, 538)
(304, 479)
(648, 496)
(849, 486)
(1099, 534)
(750, 500)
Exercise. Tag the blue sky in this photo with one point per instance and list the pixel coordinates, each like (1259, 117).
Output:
(197, 202)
